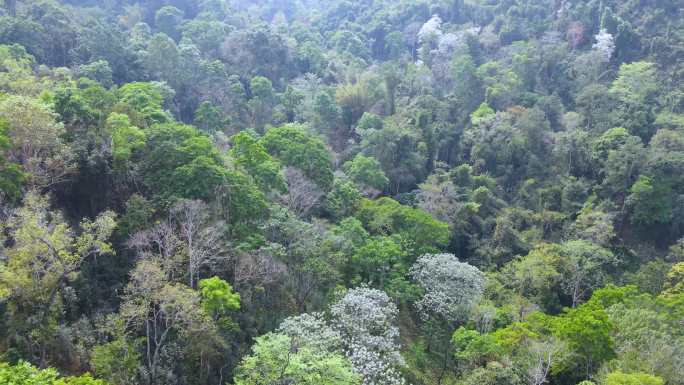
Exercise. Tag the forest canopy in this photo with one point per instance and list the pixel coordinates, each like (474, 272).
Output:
(341, 192)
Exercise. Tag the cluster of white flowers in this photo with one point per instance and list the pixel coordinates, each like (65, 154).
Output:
(431, 30)
(365, 318)
(450, 42)
(375, 369)
(362, 328)
(451, 287)
(438, 48)
(312, 330)
(604, 45)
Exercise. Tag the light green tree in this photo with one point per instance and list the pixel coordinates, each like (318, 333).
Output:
(620, 378)
(24, 373)
(45, 255)
(366, 171)
(250, 154)
(277, 360)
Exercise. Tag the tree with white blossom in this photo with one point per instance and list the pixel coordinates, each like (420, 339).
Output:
(428, 38)
(451, 287)
(604, 45)
(365, 319)
(311, 329)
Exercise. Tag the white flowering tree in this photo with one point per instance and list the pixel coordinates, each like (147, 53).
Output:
(431, 30)
(428, 38)
(604, 46)
(451, 287)
(365, 319)
(311, 329)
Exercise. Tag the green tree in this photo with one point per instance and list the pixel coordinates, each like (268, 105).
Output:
(473, 349)
(583, 267)
(116, 361)
(277, 359)
(294, 147)
(649, 202)
(636, 82)
(209, 118)
(586, 329)
(169, 318)
(218, 296)
(162, 59)
(536, 276)
(366, 172)
(99, 71)
(380, 262)
(674, 283)
(126, 138)
(353, 99)
(620, 378)
(398, 147)
(634, 87)
(495, 373)
(12, 177)
(343, 199)
(143, 102)
(502, 85)
(385, 216)
(45, 256)
(250, 154)
(24, 373)
(262, 101)
(179, 161)
(167, 19)
(34, 136)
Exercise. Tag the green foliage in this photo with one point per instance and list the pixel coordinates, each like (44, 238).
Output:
(12, 177)
(586, 329)
(293, 147)
(501, 84)
(635, 82)
(398, 147)
(473, 348)
(116, 361)
(261, 102)
(386, 216)
(275, 359)
(218, 296)
(529, 156)
(354, 100)
(209, 118)
(167, 19)
(343, 199)
(536, 276)
(674, 283)
(495, 373)
(649, 202)
(126, 138)
(250, 154)
(180, 162)
(483, 111)
(366, 172)
(99, 71)
(379, 262)
(26, 374)
(145, 101)
(45, 256)
(620, 378)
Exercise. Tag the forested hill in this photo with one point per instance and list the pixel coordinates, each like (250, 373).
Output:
(342, 192)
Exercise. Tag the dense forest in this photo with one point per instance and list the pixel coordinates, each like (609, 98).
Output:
(342, 192)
